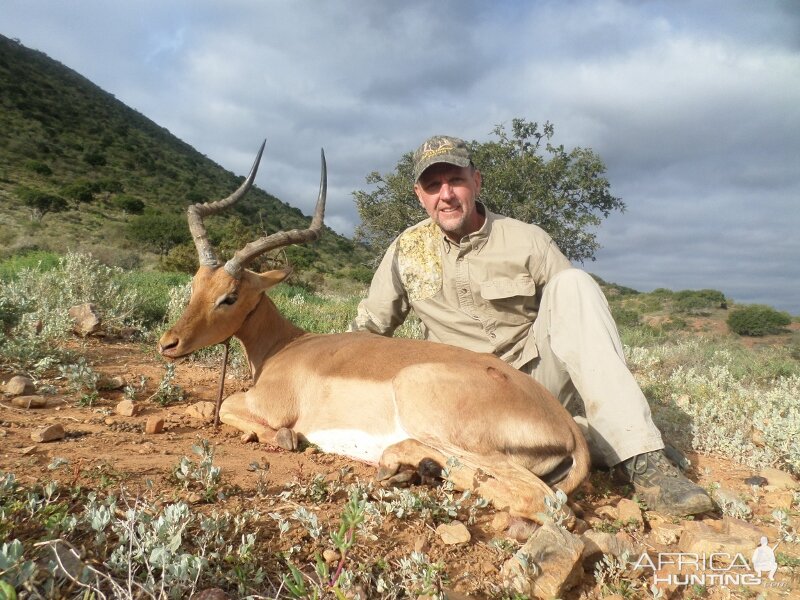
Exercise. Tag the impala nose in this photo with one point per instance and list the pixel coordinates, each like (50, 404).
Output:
(166, 344)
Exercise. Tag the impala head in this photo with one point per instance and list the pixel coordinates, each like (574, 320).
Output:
(223, 296)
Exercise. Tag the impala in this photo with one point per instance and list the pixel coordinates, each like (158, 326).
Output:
(390, 402)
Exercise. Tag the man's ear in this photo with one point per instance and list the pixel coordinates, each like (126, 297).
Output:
(478, 179)
(270, 279)
(418, 191)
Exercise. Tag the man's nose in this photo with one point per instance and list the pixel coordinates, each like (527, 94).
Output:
(445, 191)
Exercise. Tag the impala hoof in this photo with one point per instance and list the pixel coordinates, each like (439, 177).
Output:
(286, 439)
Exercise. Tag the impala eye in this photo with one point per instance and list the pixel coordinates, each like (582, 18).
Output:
(228, 299)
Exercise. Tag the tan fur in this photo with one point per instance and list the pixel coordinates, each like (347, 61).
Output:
(504, 429)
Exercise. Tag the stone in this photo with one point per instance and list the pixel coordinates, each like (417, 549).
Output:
(249, 437)
(740, 528)
(107, 382)
(553, 558)
(51, 433)
(29, 402)
(154, 425)
(203, 411)
(598, 543)
(704, 539)
(628, 511)
(126, 408)
(453, 533)
(779, 479)
(210, 594)
(756, 480)
(331, 556)
(19, 385)
(85, 318)
(421, 544)
(665, 533)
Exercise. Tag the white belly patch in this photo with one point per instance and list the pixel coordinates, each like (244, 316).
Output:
(356, 443)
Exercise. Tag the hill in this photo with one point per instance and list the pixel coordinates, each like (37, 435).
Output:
(80, 170)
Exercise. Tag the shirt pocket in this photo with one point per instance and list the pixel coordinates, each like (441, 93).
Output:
(512, 301)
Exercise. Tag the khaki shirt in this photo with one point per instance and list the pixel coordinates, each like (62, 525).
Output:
(482, 294)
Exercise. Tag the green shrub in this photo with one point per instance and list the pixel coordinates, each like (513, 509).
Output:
(152, 288)
(94, 158)
(625, 316)
(129, 204)
(757, 319)
(80, 190)
(39, 167)
(40, 202)
(698, 302)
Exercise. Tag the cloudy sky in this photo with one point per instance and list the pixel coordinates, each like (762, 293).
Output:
(694, 105)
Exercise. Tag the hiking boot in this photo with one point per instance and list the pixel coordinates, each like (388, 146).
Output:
(662, 486)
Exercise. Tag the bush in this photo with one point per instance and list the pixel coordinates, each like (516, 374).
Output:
(95, 158)
(39, 167)
(40, 202)
(698, 302)
(80, 190)
(129, 204)
(625, 316)
(757, 319)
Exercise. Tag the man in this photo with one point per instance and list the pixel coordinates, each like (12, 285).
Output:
(494, 284)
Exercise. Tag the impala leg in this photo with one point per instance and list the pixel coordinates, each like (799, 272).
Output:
(511, 487)
(234, 412)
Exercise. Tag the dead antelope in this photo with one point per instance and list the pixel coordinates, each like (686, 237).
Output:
(394, 402)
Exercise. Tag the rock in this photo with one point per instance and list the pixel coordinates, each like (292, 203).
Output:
(86, 320)
(740, 528)
(779, 479)
(666, 534)
(51, 433)
(20, 385)
(598, 543)
(521, 529)
(203, 411)
(553, 558)
(607, 512)
(756, 480)
(783, 499)
(107, 382)
(331, 556)
(128, 333)
(249, 437)
(126, 408)
(29, 402)
(210, 594)
(453, 533)
(629, 512)
(699, 538)
(154, 425)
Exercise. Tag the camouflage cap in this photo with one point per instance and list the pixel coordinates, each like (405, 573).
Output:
(440, 149)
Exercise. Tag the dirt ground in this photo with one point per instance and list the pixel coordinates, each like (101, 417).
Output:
(98, 441)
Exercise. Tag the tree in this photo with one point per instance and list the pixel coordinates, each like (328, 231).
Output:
(40, 203)
(159, 231)
(524, 176)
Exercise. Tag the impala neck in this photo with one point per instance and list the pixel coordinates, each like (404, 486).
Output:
(264, 333)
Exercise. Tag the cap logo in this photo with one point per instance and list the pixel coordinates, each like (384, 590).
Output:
(431, 149)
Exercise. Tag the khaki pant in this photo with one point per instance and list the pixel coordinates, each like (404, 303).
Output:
(581, 362)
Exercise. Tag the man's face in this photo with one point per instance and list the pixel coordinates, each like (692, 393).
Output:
(448, 194)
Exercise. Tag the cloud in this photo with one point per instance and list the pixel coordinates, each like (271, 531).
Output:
(693, 106)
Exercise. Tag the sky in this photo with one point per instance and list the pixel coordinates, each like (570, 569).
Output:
(693, 105)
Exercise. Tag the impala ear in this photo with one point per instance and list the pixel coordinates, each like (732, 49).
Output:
(269, 279)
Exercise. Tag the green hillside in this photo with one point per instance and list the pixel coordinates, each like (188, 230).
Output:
(79, 170)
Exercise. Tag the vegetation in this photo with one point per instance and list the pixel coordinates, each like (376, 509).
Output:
(524, 176)
(707, 393)
(68, 147)
(757, 320)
